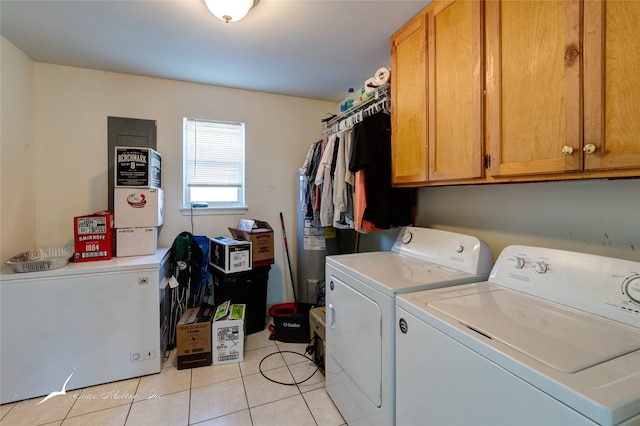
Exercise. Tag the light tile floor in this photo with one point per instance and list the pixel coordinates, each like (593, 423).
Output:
(231, 394)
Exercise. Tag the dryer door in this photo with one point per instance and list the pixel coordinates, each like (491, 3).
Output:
(354, 341)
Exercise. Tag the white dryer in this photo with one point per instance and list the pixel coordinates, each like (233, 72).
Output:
(552, 338)
(360, 300)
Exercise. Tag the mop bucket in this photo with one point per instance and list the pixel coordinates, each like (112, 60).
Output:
(290, 322)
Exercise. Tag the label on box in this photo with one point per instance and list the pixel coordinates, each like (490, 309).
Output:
(227, 342)
(137, 167)
(98, 249)
(92, 225)
(238, 258)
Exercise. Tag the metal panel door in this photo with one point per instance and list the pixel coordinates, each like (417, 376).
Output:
(131, 132)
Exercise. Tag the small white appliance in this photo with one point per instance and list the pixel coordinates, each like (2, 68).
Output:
(90, 322)
(552, 338)
(360, 320)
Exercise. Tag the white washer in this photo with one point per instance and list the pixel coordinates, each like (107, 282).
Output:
(552, 338)
(360, 299)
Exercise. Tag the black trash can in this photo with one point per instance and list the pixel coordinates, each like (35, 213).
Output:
(250, 288)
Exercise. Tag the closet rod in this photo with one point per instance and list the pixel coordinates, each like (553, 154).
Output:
(382, 93)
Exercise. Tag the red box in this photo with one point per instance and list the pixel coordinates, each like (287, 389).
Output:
(93, 237)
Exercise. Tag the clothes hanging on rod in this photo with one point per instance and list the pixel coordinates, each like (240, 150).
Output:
(350, 180)
(386, 206)
(349, 172)
(324, 180)
(310, 204)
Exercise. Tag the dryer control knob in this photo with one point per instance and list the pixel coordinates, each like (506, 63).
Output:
(406, 237)
(519, 262)
(541, 267)
(459, 248)
(631, 287)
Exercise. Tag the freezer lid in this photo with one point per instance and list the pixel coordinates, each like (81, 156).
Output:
(564, 339)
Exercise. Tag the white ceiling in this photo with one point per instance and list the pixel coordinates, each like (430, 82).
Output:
(308, 48)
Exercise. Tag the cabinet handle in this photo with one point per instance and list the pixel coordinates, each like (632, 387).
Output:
(567, 150)
(589, 148)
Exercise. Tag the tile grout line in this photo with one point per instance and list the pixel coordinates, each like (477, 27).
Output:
(246, 396)
(190, 394)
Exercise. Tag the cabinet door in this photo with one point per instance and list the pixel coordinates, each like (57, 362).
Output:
(409, 103)
(612, 84)
(455, 96)
(533, 84)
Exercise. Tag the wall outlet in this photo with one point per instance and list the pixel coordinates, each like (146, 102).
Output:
(136, 356)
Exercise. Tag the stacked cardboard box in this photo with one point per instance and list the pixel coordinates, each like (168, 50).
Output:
(260, 234)
(138, 201)
(229, 255)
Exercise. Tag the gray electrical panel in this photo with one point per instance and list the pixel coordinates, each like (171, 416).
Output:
(131, 132)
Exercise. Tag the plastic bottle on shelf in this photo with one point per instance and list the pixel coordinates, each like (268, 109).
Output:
(351, 99)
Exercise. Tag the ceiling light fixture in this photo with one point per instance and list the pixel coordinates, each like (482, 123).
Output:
(230, 10)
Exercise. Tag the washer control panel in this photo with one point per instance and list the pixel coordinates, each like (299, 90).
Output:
(600, 285)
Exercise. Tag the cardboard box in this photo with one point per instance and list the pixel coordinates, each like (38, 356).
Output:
(137, 167)
(93, 237)
(229, 255)
(228, 334)
(193, 337)
(261, 236)
(136, 241)
(138, 207)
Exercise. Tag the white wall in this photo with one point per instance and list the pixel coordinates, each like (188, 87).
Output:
(17, 151)
(601, 217)
(70, 163)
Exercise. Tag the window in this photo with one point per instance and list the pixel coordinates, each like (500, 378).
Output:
(213, 164)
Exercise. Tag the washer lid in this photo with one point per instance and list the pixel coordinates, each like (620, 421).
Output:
(562, 338)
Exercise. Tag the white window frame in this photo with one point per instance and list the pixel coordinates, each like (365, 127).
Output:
(214, 134)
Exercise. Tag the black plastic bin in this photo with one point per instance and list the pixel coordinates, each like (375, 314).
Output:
(250, 288)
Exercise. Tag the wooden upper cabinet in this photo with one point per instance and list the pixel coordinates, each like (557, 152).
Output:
(456, 86)
(612, 84)
(553, 87)
(533, 86)
(409, 103)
